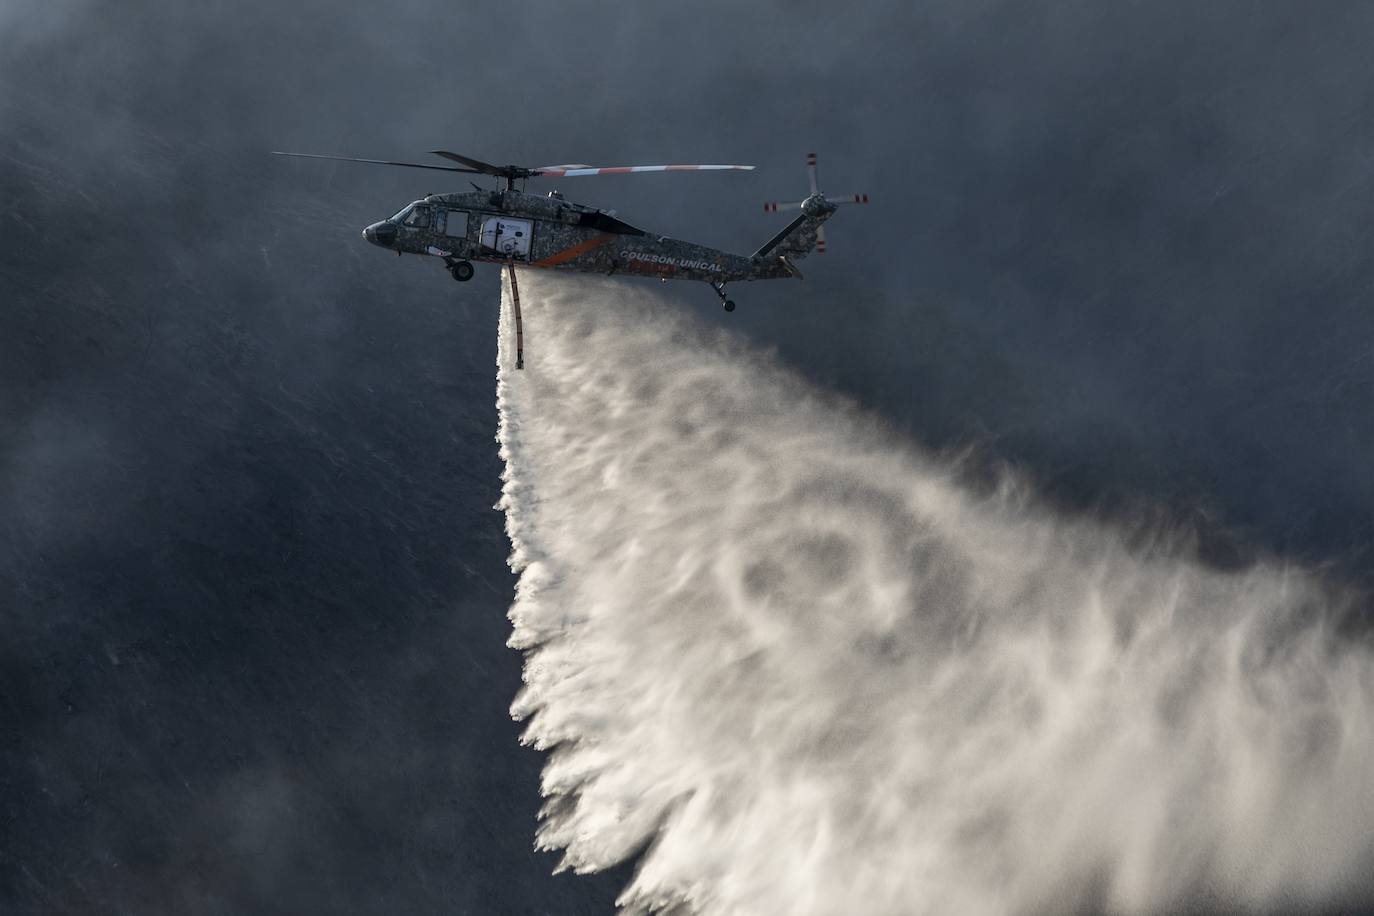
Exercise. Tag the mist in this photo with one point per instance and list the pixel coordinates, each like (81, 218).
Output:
(809, 668)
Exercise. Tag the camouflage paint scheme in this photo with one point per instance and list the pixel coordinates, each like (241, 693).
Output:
(570, 236)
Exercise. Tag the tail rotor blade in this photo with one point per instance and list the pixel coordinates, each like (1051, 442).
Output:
(819, 213)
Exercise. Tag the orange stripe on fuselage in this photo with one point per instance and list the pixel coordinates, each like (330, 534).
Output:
(567, 254)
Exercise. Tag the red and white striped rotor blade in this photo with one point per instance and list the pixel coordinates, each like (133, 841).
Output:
(578, 171)
(820, 239)
(811, 171)
(773, 206)
(848, 199)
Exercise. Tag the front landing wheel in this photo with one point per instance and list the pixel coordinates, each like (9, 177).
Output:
(462, 271)
(729, 305)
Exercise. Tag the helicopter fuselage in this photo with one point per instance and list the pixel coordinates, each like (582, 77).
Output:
(551, 232)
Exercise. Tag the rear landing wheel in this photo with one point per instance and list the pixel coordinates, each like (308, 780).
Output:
(462, 271)
(729, 305)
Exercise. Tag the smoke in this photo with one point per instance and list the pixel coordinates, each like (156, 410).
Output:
(801, 668)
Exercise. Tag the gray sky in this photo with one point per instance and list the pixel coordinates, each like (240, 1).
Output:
(246, 460)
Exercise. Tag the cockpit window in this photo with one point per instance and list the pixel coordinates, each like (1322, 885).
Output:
(418, 218)
(405, 211)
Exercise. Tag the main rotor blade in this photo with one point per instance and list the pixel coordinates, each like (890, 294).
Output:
(563, 171)
(409, 165)
(476, 164)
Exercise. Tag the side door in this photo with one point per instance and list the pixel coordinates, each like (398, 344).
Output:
(506, 237)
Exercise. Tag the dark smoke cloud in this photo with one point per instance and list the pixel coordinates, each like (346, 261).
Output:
(251, 586)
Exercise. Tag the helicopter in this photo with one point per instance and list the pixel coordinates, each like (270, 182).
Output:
(511, 227)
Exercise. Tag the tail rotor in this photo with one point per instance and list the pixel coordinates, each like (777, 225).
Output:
(775, 206)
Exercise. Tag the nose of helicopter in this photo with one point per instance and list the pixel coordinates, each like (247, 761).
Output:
(383, 233)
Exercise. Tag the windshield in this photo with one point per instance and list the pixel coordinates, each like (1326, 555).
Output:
(418, 217)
